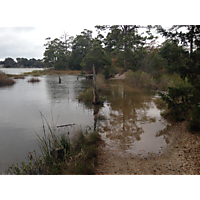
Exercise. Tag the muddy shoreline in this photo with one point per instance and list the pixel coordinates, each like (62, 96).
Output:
(180, 157)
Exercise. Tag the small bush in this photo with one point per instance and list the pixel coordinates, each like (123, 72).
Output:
(111, 71)
(140, 80)
(86, 95)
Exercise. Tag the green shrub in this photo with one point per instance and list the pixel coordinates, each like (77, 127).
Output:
(140, 80)
(111, 71)
(87, 95)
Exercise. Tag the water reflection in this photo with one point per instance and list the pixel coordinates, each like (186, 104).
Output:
(133, 121)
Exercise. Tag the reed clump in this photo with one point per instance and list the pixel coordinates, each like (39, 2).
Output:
(33, 80)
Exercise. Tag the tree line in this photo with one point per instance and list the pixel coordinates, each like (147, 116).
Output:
(80, 52)
(22, 62)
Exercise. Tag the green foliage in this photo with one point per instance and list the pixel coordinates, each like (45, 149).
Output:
(96, 57)
(178, 101)
(175, 55)
(140, 80)
(111, 71)
(124, 39)
(81, 45)
(55, 54)
(86, 96)
(183, 101)
(9, 62)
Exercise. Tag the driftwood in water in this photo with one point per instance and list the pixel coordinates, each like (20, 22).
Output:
(59, 80)
(65, 125)
(96, 99)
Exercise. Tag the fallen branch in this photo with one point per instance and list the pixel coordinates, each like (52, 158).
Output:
(65, 125)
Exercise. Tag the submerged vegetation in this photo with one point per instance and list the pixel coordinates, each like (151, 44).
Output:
(59, 155)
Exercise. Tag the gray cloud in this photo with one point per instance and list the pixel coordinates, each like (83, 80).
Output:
(21, 42)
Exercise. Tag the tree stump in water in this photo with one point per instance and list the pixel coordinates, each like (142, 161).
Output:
(96, 99)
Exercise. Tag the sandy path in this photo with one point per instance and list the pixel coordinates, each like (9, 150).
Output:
(118, 77)
(181, 156)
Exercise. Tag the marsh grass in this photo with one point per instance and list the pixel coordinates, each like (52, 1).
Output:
(5, 80)
(59, 156)
(18, 77)
(33, 80)
(87, 95)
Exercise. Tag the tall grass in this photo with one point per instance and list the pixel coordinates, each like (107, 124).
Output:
(59, 155)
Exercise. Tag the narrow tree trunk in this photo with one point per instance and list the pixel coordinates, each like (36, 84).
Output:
(124, 64)
(191, 39)
(96, 95)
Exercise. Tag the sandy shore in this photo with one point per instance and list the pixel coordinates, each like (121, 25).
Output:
(181, 156)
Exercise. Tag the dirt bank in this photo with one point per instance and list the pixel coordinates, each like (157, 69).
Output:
(181, 156)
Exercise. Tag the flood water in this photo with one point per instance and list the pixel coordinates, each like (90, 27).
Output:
(132, 122)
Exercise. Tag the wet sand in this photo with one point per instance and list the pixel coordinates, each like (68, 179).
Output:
(180, 157)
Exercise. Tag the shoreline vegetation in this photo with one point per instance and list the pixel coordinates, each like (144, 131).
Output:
(59, 155)
(63, 158)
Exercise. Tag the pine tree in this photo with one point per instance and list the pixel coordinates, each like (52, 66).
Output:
(184, 101)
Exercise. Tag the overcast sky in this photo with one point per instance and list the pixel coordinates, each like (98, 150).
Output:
(28, 42)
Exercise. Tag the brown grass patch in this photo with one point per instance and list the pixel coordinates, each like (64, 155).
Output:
(34, 80)
(19, 77)
(5, 80)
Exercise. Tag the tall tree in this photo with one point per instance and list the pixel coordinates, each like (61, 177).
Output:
(81, 45)
(124, 38)
(9, 62)
(54, 54)
(187, 35)
(66, 43)
(97, 57)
